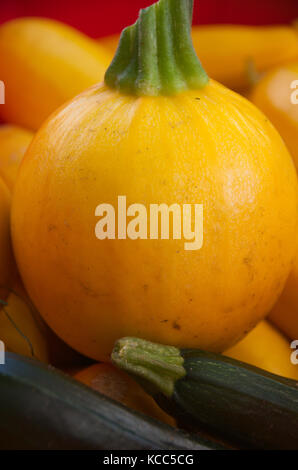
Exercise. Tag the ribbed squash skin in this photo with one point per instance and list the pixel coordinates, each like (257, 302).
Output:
(210, 147)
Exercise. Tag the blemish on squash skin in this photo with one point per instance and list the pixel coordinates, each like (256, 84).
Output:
(90, 292)
(176, 325)
(52, 227)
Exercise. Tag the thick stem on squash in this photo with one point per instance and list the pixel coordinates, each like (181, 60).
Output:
(158, 365)
(155, 56)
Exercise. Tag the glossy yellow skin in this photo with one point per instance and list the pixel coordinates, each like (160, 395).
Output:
(14, 142)
(228, 51)
(47, 347)
(209, 147)
(266, 347)
(43, 64)
(272, 95)
(116, 384)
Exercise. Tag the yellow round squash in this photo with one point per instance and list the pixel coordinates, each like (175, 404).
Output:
(155, 137)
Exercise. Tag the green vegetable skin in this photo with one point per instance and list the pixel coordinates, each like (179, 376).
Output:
(155, 56)
(238, 402)
(41, 408)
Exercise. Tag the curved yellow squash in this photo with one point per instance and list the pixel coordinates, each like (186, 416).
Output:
(276, 95)
(267, 348)
(14, 142)
(43, 64)
(21, 329)
(7, 265)
(228, 51)
(285, 312)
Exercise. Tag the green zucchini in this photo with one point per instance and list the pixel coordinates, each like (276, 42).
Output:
(235, 401)
(41, 408)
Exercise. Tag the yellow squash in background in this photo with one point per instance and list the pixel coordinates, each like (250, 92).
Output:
(7, 265)
(21, 329)
(275, 94)
(285, 312)
(158, 131)
(43, 64)
(267, 348)
(14, 142)
(228, 51)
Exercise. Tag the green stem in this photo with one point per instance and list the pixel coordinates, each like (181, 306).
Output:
(156, 364)
(155, 56)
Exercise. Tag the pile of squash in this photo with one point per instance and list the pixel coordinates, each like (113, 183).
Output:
(77, 132)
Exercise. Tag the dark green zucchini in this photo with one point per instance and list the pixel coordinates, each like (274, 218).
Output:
(41, 408)
(246, 405)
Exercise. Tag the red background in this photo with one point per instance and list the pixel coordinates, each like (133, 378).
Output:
(102, 17)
